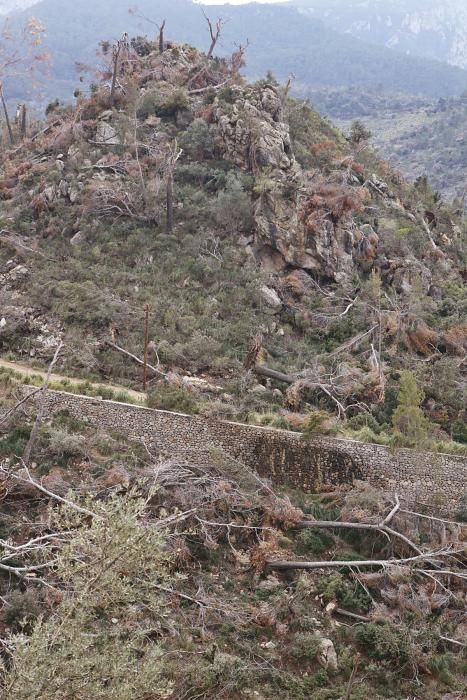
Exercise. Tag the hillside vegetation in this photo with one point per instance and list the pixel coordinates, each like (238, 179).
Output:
(126, 577)
(292, 280)
(420, 136)
(262, 240)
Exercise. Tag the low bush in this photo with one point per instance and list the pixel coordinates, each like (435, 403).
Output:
(383, 641)
(349, 594)
(66, 445)
(305, 647)
(169, 398)
(314, 541)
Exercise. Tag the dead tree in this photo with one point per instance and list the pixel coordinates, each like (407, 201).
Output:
(161, 37)
(160, 27)
(7, 117)
(20, 119)
(28, 451)
(215, 32)
(174, 154)
(237, 60)
(20, 56)
(120, 51)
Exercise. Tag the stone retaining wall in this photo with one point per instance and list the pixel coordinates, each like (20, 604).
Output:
(436, 480)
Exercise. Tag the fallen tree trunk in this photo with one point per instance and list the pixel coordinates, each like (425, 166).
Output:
(273, 374)
(331, 524)
(135, 358)
(284, 565)
(262, 371)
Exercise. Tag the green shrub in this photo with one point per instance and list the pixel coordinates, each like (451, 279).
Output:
(316, 422)
(410, 424)
(459, 431)
(198, 141)
(169, 398)
(13, 443)
(349, 594)
(65, 444)
(98, 634)
(163, 104)
(305, 647)
(233, 208)
(440, 665)
(384, 642)
(315, 541)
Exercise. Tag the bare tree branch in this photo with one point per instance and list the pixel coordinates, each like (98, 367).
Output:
(12, 475)
(214, 31)
(381, 527)
(20, 403)
(366, 563)
(135, 358)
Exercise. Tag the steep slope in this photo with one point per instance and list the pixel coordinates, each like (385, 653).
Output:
(418, 27)
(261, 239)
(281, 40)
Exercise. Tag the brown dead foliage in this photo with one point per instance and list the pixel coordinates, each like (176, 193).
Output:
(332, 201)
(456, 339)
(419, 338)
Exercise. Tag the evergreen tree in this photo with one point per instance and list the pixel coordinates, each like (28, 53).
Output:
(409, 422)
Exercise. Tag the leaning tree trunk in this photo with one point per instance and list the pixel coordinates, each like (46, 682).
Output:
(161, 37)
(23, 120)
(7, 118)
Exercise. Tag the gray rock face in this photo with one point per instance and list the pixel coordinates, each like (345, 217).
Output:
(106, 134)
(256, 139)
(411, 275)
(271, 298)
(77, 239)
(327, 654)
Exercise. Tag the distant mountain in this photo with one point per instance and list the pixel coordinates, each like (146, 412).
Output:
(431, 28)
(281, 39)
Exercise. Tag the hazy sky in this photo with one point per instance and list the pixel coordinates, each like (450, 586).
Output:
(8, 5)
(232, 2)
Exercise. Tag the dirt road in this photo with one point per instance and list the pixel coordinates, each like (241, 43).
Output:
(27, 371)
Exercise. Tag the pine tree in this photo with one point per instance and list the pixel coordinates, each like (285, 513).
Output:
(409, 422)
(95, 642)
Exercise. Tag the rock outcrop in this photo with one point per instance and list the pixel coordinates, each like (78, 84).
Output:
(256, 138)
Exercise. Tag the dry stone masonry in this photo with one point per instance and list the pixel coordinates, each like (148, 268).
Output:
(437, 481)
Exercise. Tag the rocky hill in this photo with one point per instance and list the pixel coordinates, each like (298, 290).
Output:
(264, 242)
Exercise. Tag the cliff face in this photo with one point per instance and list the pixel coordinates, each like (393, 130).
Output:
(294, 226)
